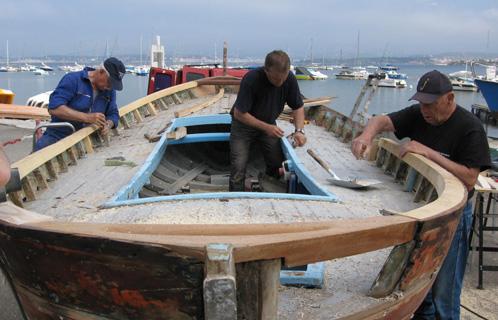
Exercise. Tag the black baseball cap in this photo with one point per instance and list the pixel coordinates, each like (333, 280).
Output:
(116, 70)
(431, 86)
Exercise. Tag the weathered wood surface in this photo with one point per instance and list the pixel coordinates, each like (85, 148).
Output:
(23, 112)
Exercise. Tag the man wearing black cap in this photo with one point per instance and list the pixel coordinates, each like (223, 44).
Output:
(452, 137)
(83, 98)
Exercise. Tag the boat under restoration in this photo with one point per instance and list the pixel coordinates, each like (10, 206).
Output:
(139, 225)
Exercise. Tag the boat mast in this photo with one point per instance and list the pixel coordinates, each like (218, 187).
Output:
(225, 57)
(141, 40)
(357, 49)
(7, 53)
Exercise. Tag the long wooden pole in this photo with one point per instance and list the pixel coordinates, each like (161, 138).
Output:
(225, 58)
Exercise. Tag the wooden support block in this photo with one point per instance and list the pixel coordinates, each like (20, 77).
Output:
(163, 104)
(62, 163)
(176, 98)
(80, 151)
(40, 179)
(52, 173)
(72, 156)
(381, 156)
(391, 272)
(429, 194)
(176, 134)
(151, 109)
(29, 189)
(220, 297)
(372, 155)
(138, 116)
(388, 162)
(124, 122)
(16, 198)
(411, 177)
(87, 142)
(257, 289)
(420, 187)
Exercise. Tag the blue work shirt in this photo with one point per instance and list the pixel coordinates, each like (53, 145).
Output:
(75, 91)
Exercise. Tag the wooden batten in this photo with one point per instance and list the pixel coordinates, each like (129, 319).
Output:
(41, 181)
(163, 104)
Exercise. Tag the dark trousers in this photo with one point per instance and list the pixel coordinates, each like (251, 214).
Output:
(241, 139)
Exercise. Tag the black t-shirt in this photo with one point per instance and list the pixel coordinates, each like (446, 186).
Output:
(263, 100)
(461, 138)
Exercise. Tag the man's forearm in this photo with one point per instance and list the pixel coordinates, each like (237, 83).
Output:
(298, 116)
(377, 125)
(65, 113)
(468, 176)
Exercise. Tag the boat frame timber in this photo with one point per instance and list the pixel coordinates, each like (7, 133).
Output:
(146, 271)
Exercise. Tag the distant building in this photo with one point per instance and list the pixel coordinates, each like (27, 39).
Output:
(157, 54)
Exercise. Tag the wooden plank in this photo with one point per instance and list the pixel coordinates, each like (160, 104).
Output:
(200, 106)
(185, 179)
(80, 151)
(23, 112)
(40, 179)
(176, 134)
(257, 289)
(220, 298)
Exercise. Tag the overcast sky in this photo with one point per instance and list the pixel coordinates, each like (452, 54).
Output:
(251, 27)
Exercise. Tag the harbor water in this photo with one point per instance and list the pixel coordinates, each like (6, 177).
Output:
(26, 84)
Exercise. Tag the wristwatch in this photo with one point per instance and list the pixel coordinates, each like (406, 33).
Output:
(299, 130)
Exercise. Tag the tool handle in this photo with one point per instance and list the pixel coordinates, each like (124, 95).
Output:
(322, 163)
(318, 159)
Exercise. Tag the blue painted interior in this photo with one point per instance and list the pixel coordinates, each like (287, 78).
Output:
(303, 182)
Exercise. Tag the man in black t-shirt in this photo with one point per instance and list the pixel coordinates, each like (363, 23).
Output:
(454, 138)
(262, 95)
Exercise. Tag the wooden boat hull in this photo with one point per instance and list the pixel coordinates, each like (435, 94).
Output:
(157, 271)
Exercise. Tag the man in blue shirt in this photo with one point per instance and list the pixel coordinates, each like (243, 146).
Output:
(87, 97)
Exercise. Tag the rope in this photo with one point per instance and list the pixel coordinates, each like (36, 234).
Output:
(473, 312)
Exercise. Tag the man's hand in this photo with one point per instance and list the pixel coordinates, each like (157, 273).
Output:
(299, 139)
(415, 147)
(274, 131)
(105, 130)
(96, 118)
(361, 147)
